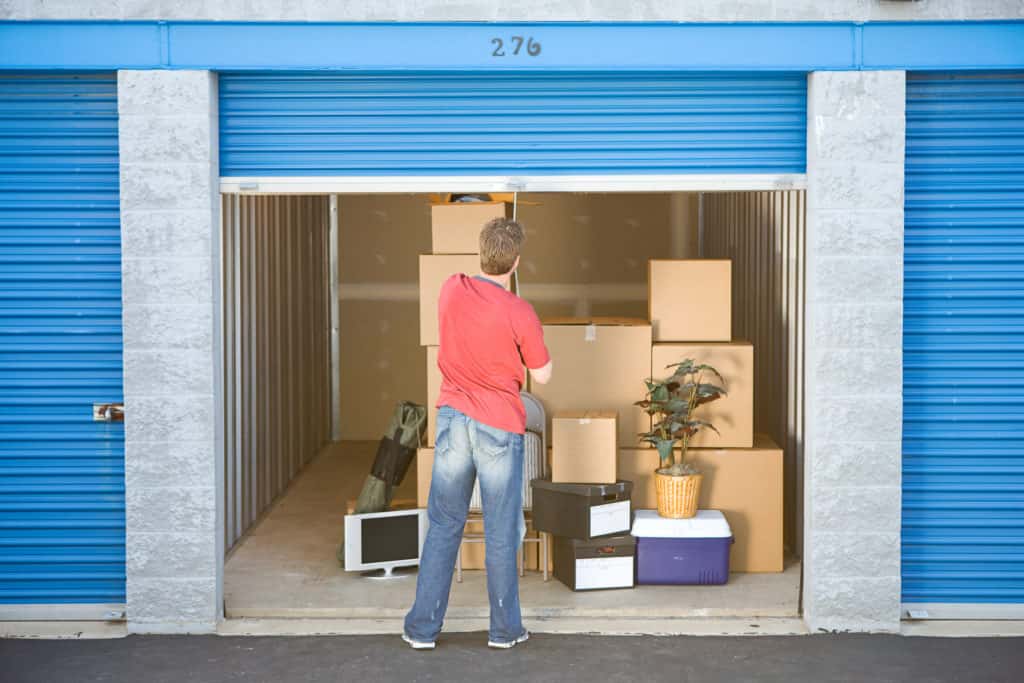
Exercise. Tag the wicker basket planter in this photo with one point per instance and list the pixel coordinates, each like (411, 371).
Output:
(677, 495)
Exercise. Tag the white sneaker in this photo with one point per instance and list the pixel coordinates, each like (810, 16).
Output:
(508, 646)
(419, 644)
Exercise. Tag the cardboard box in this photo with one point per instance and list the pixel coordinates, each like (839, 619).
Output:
(599, 364)
(433, 391)
(744, 483)
(732, 414)
(690, 300)
(455, 228)
(583, 446)
(434, 270)
(473, 554)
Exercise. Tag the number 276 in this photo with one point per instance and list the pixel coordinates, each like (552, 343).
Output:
(515, 46)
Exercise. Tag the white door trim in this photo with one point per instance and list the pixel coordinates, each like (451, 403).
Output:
(63, 612)
(562, 183)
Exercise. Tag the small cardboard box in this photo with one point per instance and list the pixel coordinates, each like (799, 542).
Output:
(732, 414)
(744, 483)
(434, 270)
(424, 467)
(582, 510)
(583, 447)
(690, 299)
(595, 564)
(600, 364)
(433, 392)
(455, 228)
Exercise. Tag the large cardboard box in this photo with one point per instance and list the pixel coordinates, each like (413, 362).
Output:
(455, 228)
(744, 483)
(433, 391)
(732, 414)
(583, 446)
(599, 364)
(472, 553)
(690, 300)
(434, 270)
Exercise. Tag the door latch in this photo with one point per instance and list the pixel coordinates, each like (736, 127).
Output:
(108, 412)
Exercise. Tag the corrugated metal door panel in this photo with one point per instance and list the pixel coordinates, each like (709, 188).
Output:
(963, 347)
(341, 124)
(62, 519)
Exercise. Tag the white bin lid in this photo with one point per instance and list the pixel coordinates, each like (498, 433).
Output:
(707, 524)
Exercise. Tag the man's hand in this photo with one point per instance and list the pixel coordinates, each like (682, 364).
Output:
(542, 375)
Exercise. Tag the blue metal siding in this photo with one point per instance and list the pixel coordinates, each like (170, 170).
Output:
(62, 519)
(963, 345)
(346, 124)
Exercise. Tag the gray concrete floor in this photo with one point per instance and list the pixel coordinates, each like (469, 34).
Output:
(286, 567)
(465, 657)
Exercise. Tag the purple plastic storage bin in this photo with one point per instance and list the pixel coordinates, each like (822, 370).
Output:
(682, 551)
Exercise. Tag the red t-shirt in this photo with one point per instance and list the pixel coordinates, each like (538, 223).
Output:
(487, 334)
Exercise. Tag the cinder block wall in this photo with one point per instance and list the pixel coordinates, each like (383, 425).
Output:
(856, 132)
(169, 218)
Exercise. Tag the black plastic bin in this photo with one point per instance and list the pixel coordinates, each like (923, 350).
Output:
(582, 511)
(597, 563)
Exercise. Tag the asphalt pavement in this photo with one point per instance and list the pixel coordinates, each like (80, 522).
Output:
(465, 657)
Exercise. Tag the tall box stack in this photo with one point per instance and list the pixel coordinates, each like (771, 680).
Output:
(690, 307)
(455, 248)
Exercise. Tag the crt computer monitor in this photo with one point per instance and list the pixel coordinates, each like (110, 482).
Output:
(384, 540)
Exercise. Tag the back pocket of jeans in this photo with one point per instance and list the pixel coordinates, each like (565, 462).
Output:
(492, 441)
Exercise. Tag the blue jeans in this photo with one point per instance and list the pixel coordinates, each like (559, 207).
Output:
(466, 449)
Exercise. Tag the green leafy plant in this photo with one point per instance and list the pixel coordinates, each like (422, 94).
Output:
(671, 402)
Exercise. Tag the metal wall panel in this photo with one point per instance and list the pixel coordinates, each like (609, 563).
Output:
(276, 348)
(347, 124)
(62, 512)
(764, 235)
(963, 347)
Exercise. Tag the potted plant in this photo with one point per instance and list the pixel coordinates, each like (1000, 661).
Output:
(671, 403)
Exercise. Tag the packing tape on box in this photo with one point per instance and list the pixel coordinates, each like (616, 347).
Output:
(584, 420)
(590, 333)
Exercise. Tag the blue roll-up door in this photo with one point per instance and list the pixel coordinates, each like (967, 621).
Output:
(511, 123)
(963, 425)
(62, 514)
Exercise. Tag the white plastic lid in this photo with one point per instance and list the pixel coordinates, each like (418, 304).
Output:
(707, 524)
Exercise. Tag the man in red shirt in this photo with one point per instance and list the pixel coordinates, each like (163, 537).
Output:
(487, 334)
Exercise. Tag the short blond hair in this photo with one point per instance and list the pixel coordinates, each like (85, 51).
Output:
(500, 242)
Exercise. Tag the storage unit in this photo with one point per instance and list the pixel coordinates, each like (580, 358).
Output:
(594, 564)
(583, 447)
(62, 524)
(733, 414)
(682, 551)
(963, 360)
(581, 510)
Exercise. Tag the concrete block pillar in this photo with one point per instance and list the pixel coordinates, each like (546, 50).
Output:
(855, 156)
(169, 224)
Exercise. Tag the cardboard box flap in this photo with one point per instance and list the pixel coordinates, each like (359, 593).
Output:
(585, 415)
(596, 320)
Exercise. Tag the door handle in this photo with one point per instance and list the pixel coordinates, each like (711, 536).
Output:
(108, 412)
